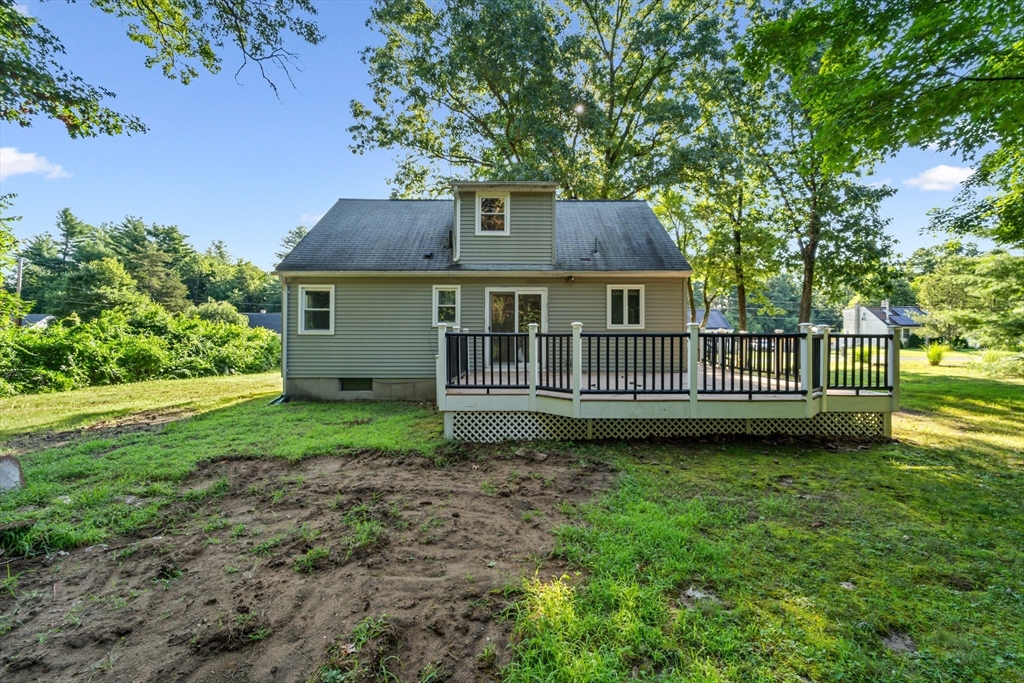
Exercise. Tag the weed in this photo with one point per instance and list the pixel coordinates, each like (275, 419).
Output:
(258, 634)
(216, 489)
(267, 546)
(434, 672)
(935, 352)
(489, 487)
(238, 531)
(215, 524)
(10, 583)
(370, 629)
(312, 559)
(125, 553)
(308, 533)
(364, 534)
(487, 658)
(230, 569)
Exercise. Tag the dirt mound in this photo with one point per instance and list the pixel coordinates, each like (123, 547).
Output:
(143, 421)
(279, 572)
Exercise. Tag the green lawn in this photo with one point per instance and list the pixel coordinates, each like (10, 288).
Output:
(79, 493)
(812, 554)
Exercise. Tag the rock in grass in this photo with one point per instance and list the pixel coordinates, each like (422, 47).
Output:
(11, 476)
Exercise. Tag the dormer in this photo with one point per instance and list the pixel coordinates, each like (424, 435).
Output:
(504, 222)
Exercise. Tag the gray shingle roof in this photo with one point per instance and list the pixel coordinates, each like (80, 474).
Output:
(268, 321)
(395, 235)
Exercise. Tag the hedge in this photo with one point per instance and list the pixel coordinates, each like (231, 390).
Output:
(130, 346)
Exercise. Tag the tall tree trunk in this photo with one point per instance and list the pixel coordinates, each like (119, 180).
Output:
(741, 282)
(692, 300)
(809, 256)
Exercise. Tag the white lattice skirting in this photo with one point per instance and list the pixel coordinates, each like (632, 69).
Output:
(491, 427)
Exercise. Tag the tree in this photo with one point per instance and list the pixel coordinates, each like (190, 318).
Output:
(593, 95)
(290, 240)
(913, 72)
(72, 232)
(11, 305)
(95, 287)
(221, 312)
(180, 36)
(148, 264)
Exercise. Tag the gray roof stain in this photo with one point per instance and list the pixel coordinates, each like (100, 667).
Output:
(411, 235)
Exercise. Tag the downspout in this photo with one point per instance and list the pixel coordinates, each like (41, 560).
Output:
(284, 335)
(457, 238)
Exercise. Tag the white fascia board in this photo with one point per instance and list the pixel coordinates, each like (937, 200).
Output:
(489, 273)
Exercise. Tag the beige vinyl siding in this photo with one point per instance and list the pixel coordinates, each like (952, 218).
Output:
(531, 237)
(383, 326)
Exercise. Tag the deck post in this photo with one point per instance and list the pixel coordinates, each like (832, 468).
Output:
(806, 334)
(442, 365)
(893, 361)
(826, 364)
(693, 361)
(532, 363)
(577, 367)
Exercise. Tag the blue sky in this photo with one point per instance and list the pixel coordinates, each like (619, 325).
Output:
(225, 159)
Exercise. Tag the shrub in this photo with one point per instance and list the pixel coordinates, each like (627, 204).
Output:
(130, 345)
(995, 364)
(934, 352)
(220, 312)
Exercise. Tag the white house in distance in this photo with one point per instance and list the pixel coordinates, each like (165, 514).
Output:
(877, 319)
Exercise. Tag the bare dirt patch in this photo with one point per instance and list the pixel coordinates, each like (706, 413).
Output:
(267, 579)
(144, 421)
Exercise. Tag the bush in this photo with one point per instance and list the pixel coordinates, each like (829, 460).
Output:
(1000, 364)
(130, 345)
(934, 352)
(220, 312)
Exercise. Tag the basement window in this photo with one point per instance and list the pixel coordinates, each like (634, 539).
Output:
(355, 384)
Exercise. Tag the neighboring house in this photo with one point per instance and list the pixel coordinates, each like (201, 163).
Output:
(524, 316)
(878, 319)
(717, 321)
(39, 321)
(268, 321)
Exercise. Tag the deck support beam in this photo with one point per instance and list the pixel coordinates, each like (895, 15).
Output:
(532, 364)
(693, 361)
(893, 361)
(806, 335)
(577, 367)
(441, 360)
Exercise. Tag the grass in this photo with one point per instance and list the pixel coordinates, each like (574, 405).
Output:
(810, 558)
(99, 486)
(805, 557)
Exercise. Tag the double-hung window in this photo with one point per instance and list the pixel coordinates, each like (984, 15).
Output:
(316, 309)
(492, 214)
(446, 305)
(625, 306)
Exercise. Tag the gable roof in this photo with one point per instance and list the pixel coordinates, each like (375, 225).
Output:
(898, 315)
(716, 320)
(268, 321)
(412, 235)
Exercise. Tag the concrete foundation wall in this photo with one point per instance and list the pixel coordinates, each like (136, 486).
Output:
(317, 389)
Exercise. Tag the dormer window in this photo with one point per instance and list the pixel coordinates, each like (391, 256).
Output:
(492, 214)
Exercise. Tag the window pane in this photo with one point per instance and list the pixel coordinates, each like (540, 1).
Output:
(492, 223)
(318, 299)
(492, 205)
(634, 307)
(445, 314)
(446, 297)
(318, 320)
(529, 311)
(617, 306)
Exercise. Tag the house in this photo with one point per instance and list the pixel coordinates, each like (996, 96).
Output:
(878, 319)
(525, 316)
(268, 321)
(717, 321)
(37, 321)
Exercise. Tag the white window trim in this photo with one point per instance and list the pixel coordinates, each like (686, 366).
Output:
(480, 196)
(302, 307)
(608, 306)
(458, 304)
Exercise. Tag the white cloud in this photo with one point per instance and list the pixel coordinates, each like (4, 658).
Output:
(310, 218)
(942, 178)
(22, 10)
(880, 183)
(13, 162)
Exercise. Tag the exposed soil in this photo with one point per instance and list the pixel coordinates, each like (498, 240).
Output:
(209, 600)
(144, 421)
